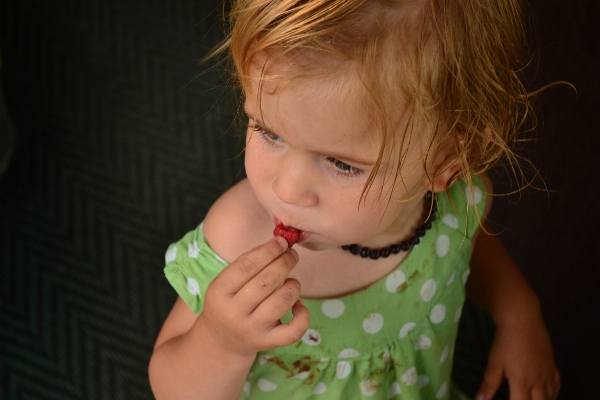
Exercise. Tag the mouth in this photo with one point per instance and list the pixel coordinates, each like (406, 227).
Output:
(289, 233)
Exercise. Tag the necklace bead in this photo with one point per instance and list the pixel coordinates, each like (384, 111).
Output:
(405, 245)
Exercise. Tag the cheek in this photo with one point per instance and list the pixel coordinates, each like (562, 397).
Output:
(258, 164)
(252, 154)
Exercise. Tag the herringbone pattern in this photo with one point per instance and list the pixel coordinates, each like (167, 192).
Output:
(122, 150)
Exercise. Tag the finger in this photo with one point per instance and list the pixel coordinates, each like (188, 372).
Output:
(249, 264)
(267, 281)
(491, 382)
(538, 393)
(273, 275)
(279, 302)
(554, 386)
(519, 391)
(286, 334)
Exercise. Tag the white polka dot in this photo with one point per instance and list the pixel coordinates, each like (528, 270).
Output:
(422, 381)
(458, 314)
(395, 281)
(319, 388)
(247, 388)
(193, 250)
(171, 255)
(438, 313)
(373, 323)
(423, 343)
(395, 390)
(302, 375)
(451, 221)
(311, 337)
(442, 245)
(442, 391)
(428, 290)
(475, 197)
(451, 278)
(368, 387)
(406, 328)
(324, 359)
(333, 308)
(342, 369)
(348, 353)
(266, 385)
(409, 378)
(193, 287)
(466, 275)
(444, 356)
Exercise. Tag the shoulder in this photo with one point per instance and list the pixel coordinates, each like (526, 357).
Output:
(473, 194)
(467, 203)
(488, 189)
(236, 222)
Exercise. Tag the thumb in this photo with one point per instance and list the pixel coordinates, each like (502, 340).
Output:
(491, 382)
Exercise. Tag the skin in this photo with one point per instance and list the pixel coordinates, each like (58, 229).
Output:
(308, 156)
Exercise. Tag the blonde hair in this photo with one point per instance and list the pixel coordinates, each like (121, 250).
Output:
(454, 63)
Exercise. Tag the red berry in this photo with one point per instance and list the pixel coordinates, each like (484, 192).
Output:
(288, 233)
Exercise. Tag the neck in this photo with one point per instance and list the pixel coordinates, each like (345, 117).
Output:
(428, 216)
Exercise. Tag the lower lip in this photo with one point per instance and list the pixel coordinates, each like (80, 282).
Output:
(303, 236)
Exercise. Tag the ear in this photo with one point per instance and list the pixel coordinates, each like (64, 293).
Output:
(446, 168)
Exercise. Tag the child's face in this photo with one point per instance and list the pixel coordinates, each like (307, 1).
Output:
(308, 156)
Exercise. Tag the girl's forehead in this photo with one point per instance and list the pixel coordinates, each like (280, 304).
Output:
(329, 77)
(325, 100)
(329, 92)
(307, 111)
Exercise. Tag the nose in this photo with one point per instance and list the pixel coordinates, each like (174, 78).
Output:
(294, 183)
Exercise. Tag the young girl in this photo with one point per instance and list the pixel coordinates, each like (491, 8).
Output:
(371, 124)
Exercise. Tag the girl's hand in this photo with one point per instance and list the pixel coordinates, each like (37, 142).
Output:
(522, 353)
(245, 302)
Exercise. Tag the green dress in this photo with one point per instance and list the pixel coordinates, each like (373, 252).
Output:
(391, 340)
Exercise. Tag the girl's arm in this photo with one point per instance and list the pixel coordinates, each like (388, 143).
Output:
(187, 364)
(521, 351)
(208, 357)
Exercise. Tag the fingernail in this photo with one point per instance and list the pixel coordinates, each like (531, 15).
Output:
(294, 253)
(282, 242)
(480, 396)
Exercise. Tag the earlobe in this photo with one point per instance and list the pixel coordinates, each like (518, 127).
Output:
(444, 176)
(446, 170)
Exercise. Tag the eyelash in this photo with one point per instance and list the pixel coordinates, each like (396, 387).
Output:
(344, 170)
(341, 168)
(264, 135)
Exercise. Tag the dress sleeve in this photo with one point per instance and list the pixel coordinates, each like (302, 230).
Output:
(190, 267)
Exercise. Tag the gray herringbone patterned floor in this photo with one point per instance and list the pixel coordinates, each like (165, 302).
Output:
(124, 141)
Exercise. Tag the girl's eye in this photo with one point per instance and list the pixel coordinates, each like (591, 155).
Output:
(344, 169)
(264, 134)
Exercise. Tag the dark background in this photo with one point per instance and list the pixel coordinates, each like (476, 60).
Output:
(122, 141)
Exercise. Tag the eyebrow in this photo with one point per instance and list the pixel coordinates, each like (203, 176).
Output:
(339, 156)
